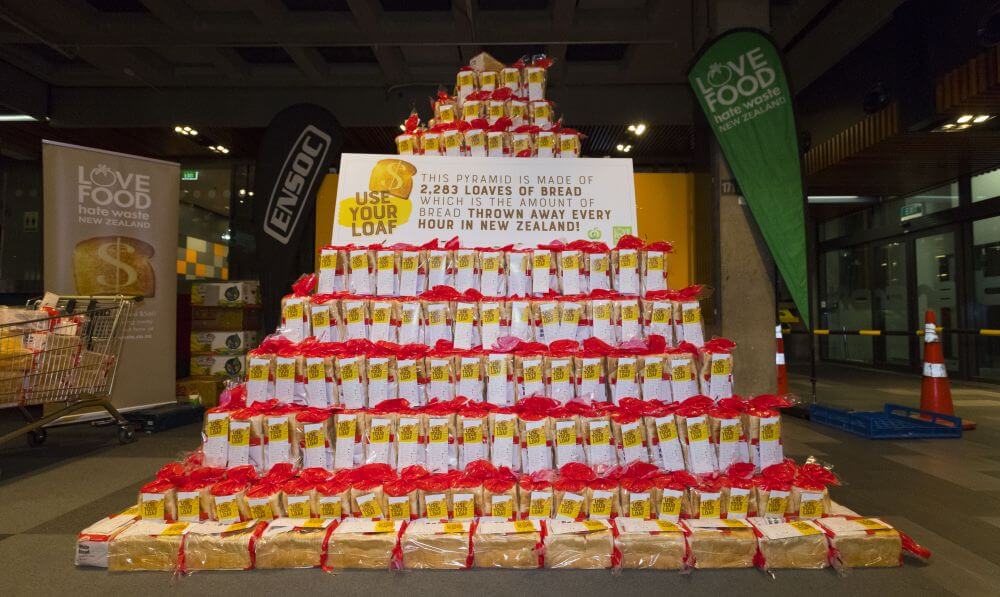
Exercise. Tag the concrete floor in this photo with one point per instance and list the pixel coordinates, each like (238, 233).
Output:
(946, 493)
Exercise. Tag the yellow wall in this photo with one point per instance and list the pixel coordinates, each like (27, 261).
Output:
(664, 206)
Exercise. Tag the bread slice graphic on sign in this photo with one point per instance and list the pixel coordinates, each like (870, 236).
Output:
(392, 176)
(107, 265)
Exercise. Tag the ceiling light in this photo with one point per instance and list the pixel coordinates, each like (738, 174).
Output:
(981, 118)
(402, 127)
(243, 192)
(638, 129)
(620, 147)
(963, 126)
(628, 148)
(948, 126)
(17, 118)
(250, 193)
(964, 118)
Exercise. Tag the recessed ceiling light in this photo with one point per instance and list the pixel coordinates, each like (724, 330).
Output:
(981, 118)
(17, 118)
(620, 147)
(637, 129)
(948, 126)
(964, 118)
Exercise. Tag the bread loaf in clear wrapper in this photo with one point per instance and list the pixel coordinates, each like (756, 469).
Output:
(863, 542)
(721, 543)
(220, 546)
(434, 545)
(365, 544)
(147, 545)
(93, 542)
(798, 544)
(651, 544)
(586, 545)
(506, 544)
(294, 543)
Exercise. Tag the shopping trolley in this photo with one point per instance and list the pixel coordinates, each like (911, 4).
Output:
(67, 353)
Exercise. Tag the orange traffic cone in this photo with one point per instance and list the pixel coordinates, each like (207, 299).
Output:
(779, 361)
(935, 391)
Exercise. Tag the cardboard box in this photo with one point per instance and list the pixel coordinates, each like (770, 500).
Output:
(223, 342)
(224, 319)
(204, 390)
(225, 294)
(221, 366)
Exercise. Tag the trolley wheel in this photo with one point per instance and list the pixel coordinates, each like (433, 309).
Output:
(37, 437)
(126, 435)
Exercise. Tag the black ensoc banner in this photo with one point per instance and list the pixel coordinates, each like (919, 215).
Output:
(296, 152)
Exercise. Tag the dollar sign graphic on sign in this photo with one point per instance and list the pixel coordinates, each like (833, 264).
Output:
(112, 256)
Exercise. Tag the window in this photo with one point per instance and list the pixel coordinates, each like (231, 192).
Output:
(986, 185)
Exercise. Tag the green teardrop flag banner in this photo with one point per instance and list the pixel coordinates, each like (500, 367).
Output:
(739, 80)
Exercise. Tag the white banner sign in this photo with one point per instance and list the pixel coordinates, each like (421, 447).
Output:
(482, 201)
(111, 228)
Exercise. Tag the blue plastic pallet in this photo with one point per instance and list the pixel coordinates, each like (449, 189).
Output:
(894, 422)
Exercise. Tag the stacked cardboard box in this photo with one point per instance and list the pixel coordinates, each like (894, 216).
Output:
(224, 322)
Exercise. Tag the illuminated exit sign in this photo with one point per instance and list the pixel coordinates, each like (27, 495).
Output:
(189, 175)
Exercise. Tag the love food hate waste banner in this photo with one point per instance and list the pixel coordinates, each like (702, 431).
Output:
(482, 201)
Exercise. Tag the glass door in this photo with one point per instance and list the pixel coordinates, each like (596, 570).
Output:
(936, 287)
(986, 300)
(890, 302)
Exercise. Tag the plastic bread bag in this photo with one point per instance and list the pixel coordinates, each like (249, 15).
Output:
(220, 546)
(383, 328)
(494, 322)
(324, 317)
(434, 545)
(438, 319)
(639, 494)
(441, 265)
(294, 543)
(651, 544)
(739, 485)
(354, 319)
(519, 276)
(473, 433)
(402, 500)
(194, 494)
(434, 493)
(536, 432)
(264, 500)
(488, 80)
(569, 143)
(508, 544)
(688, 324)
(800, 544)
(215, 437)
(299, 497)
(289, 388)
(497, 139)
(570, 498)
(366, 544)
(595, 260)
(332, 270)
(653, 372)
(574, 319)
(545, 139)
(510, 77)
(658, 315)
(294, 319)
(762, 423)
(158, 501)
(560, 381)
(598, 444)
(517, 112)
(430, 142)
(465, 83)
(529, 369)
(601, 316)
(147, 545)
(696, 438)
(317, 370)
(445, 109)
(586, 545)
(260, 368)
(442, 447)
(522, 321)
(93, 542)
(412, 262)
(810, 496)
(709, 497)
(666, 450)
(604, 494)
(361, 271)
(474, 136)
(466, 328)
(653, 266)
(246, 438)
(627, 319)
(772, 487)
(536, 76)
(228, 497)
(367, 495)
(411, 439)
(349, 426)
(467, 496)
(352, 383)
(591, 371)
(380, 435)
(629, 431)
(381, 374)
(625, 265)
(567, 422)
(411, 322)
(313, 433)
(716, 369)
(730, 438)
(493, 271)
(440, 367)
(386, 271)
(408, 142)
(334, 496)
(503, 437)
(500, 497)
(857, 542)
(682, 371)
(452, 138)
(534, 495)
(721, 543)
(499, 382)
(623, 375)
(466, 269)
(674, 489)
(544, 260)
